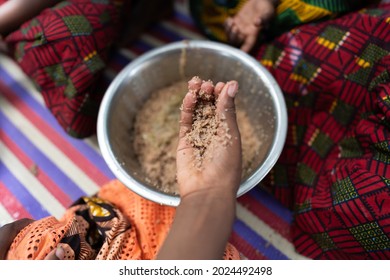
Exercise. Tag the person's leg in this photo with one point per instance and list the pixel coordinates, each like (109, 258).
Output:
(64, 50)
(334, 168)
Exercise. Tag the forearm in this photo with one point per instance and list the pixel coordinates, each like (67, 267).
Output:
(201, 228)
(13, 13)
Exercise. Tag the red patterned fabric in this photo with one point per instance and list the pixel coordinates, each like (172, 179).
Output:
(334, 170)
(64, 50)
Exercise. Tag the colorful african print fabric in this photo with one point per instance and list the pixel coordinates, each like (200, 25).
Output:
(115, 224)
(210, 15)
(64, 51)
(335, 168)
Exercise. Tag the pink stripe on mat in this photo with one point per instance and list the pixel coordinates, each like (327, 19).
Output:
(62, 144)
(12, 204)
(42, 177)
(266, 215)
(245, 248)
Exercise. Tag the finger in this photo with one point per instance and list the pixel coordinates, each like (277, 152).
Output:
(248, 43)
(234, 35)
(188, 106)
(226, 108)
(56, 254)
(187, 109)
(207, 90)
(231, 30)
(228, 24)
(194, 84)
(218, 89)
(226, 96)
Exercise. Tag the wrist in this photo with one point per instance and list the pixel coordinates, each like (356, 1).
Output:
(210, 194)
(210, 200)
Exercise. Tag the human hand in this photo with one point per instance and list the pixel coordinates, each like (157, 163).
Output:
(8, 233)
(56, 254)
(208, 178)
(220, 170)
(243, 29)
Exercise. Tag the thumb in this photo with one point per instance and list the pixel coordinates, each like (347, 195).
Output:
(226, 108)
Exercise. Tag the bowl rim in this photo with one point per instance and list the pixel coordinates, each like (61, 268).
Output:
(171, 200)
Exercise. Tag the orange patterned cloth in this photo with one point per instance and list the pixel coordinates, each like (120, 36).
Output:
(114, 224)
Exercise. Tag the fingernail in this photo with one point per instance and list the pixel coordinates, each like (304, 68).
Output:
(60, 253)
(232, 89)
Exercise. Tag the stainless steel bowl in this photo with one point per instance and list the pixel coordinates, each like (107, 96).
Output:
(259, 95)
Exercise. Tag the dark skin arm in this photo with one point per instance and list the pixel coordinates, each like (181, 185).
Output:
(205, 216)
(7, 234)
(13, 13)
(201, 228)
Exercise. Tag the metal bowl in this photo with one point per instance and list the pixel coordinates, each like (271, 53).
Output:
(259, 95)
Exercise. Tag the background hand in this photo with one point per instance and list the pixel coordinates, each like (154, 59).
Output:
(243, 29)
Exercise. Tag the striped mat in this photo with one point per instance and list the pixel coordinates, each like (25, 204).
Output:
(42, 170)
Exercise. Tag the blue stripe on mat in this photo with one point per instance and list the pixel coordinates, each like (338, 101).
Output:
(258, 242)
(31, 205)
(272, 204)
(45, 164)
(45, 114)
